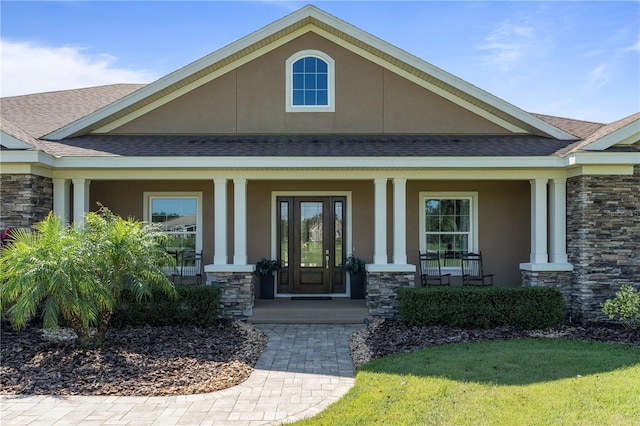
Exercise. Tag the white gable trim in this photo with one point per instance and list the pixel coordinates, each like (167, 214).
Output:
(27, 157)
(12, 142)
(311, 28)
(308, 11)
(194, 85)
(623, 136)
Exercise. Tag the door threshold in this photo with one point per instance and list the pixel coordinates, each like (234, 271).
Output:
(311, 298)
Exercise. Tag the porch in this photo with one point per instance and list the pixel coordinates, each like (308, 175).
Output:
(337, 310)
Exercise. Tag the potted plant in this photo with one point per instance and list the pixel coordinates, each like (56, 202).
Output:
(265, 270)
(355, 267)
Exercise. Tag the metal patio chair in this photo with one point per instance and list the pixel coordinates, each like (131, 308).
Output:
(430, 272)
(473, 271)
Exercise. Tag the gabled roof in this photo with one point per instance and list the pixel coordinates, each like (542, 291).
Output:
(579, 128)
(13, 136)
(620, 133)
(310, 18)
(42, 113)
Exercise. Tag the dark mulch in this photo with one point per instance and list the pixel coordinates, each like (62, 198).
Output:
(390, 337)
(132, 361)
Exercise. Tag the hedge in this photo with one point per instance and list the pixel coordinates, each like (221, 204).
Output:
(483, 307)
(196, 305)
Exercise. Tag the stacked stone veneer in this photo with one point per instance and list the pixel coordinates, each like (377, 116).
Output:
(382, 292)
(562, 280)
(236, 301)
(25, 200)
(603, 239)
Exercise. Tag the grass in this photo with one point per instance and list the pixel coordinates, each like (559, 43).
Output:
(517, 382)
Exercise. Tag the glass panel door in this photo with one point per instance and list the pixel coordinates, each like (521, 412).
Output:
(311, 247)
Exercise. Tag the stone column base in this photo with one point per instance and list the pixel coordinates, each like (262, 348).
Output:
(237, 299)
(562, 280)
(382, 290)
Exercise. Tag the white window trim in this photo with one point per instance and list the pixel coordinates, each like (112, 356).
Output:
(197, 195)
(330, 82)
(444, 195)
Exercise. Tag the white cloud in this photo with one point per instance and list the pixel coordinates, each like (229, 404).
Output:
(28, 68)
(509, 44)
(633, 48)
(599, 76)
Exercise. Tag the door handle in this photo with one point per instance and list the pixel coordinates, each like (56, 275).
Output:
(326, 259)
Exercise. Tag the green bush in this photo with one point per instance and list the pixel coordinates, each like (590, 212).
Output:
(483, 307)
(196, 305)
(625, 306)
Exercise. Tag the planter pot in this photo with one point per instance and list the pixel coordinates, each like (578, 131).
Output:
(357, 285)
(267, 283)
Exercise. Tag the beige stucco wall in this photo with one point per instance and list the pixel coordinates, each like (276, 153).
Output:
(504, 215)
(251, 99)
(126, 198)
(504, 232)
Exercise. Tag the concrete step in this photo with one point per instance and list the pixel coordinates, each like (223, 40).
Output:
(287, 311)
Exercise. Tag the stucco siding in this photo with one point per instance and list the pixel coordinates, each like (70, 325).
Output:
(503, 210)
(368, 99)
(126, 198)
(503, 223)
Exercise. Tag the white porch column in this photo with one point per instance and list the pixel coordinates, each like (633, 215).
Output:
(61, 191)
(80, 200)
(240, 221)
(220, 221)
(538, 221)
(400, 221)
(380, 221)
(558, 221)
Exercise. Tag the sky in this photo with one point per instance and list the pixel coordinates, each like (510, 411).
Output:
(576, 59)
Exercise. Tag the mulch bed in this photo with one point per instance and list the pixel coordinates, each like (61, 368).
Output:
(387, 337)
(132, 361)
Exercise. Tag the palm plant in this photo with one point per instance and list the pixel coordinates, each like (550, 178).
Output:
(79, 273)
(133, 255)
(51, 268)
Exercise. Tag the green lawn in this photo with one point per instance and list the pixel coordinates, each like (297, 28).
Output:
(517, 382)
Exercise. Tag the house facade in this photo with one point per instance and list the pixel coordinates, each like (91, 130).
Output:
(311, 140)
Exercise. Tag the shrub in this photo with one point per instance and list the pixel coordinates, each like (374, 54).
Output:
(483, 307)
(195, 305)
(78, 273)
(625, 306)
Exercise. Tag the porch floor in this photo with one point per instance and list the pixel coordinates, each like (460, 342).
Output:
(287, 311)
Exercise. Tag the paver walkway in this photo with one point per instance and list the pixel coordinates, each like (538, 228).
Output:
(304, 368)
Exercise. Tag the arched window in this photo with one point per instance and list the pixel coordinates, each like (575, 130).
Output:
(310, 82)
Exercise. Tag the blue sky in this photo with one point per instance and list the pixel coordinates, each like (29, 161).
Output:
(578, 59)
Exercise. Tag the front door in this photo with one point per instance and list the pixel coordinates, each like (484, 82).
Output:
(311, 244)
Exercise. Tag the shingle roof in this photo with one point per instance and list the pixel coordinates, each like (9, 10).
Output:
(10, 128)
(308, 146)
(31, 116)
(578, 128)
(41, 113)
(610, 128)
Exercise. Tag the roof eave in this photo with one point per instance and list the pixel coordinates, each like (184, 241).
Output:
(625, 135)
(11, 142)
